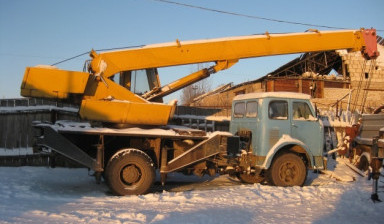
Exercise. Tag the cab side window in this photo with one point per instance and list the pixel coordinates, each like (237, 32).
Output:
(251, 110)
(278, 110)
(239, 110)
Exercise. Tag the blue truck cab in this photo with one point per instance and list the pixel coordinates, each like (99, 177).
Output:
(282, 133)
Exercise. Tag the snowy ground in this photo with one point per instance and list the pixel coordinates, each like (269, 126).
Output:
(61, 195)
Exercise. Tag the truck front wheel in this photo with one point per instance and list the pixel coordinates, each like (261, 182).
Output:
(130, 171)
(287, 170)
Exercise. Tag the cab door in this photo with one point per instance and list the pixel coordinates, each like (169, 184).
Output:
(306, 127)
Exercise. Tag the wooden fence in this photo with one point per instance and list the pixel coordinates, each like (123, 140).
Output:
(17, 115)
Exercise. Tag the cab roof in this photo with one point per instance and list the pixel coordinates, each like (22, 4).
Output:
(290, 95)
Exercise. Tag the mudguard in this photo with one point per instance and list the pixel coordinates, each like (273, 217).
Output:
(285, 140)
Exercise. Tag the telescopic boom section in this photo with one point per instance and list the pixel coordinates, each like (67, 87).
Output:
(104, 100)
(233, 48)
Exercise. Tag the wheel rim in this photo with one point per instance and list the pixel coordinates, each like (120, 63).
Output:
(288, 172)
(130, 174)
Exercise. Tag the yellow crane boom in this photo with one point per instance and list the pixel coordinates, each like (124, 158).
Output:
(104, 100)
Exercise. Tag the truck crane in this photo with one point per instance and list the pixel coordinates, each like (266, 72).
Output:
(129, 157)
(103, 100)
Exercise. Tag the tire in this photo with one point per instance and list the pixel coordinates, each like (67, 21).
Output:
(130, 172)
(250, 178)
(287, 170)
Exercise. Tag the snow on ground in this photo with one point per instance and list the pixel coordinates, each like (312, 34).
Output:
(62, 195)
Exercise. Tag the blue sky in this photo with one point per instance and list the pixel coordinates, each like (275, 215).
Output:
(45, 31)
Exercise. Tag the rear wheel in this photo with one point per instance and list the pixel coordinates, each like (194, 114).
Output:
(130, 171)
(287, 170)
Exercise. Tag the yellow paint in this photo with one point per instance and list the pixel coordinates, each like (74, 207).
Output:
(52, 83)
(103, 100)
(125, 112)
(223, 49)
